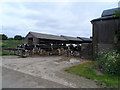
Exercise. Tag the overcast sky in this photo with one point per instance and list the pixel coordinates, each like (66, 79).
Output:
(58, 18)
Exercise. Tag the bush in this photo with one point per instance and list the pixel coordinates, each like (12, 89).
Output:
(4, 37)
(10, 38)
(109, 62)
(18, 37)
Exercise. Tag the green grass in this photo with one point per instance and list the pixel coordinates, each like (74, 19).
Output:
(10, 43)
(4, 53)
(87, 70)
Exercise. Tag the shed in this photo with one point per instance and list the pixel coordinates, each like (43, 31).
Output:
(37, 38)
(73, 40)
(40, 38)
(85, 40)
(104, 30)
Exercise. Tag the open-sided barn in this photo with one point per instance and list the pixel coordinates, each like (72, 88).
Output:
(39, 38)
(73, 40)
(63, 44)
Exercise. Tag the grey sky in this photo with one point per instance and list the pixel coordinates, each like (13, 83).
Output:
(59, 18)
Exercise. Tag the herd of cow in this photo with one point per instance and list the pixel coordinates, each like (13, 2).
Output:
(49, 49)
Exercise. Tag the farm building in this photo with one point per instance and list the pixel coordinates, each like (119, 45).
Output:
(87, 40)
(72, 40)
(39, 38)
(83, 44)
(105, 30)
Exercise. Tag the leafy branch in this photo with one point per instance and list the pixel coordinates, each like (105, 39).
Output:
(116, 13)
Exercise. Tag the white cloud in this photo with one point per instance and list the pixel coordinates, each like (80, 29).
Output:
(59, 0)
(64, 18)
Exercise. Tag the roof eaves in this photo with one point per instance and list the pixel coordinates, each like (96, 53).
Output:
(105, 18)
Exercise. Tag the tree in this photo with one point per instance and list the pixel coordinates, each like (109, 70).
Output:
(18, 37)
(10, 38)
(116, 13)
(4, 37)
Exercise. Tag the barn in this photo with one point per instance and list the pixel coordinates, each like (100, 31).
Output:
(105, 30)
(72, 40)
(65, 44)
(40, 38)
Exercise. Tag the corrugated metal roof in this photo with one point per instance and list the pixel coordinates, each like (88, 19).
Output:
(71, 38)
(54, 37)
(109, 12)
(47, 36)
(85, 39)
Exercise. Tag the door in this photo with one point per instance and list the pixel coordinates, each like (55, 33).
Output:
(30, 41)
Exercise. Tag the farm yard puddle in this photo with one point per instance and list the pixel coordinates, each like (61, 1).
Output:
(49, 68)
(72, 60)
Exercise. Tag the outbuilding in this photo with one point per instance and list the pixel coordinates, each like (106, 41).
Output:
(105, 30)
(40, 38)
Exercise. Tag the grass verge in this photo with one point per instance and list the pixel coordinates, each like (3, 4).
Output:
(87, 70)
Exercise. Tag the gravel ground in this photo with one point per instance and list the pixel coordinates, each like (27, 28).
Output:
(49, 69)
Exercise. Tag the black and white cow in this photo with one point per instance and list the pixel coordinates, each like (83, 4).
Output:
(44, 49)
(73, 50)
(77, 50)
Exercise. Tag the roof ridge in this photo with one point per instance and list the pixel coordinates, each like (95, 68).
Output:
(46, 34)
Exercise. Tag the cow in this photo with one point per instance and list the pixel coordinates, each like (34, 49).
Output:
(29, 49)
(70, 50)
(63, 49)
(44, 49)
(56, 49)
(73, 50)
(77, 50)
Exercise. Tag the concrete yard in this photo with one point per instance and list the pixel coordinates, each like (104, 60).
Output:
(41, 72)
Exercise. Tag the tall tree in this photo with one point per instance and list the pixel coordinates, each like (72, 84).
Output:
(18, 37)
(4, 37)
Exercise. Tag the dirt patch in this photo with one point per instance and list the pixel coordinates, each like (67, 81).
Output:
(49, 68)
